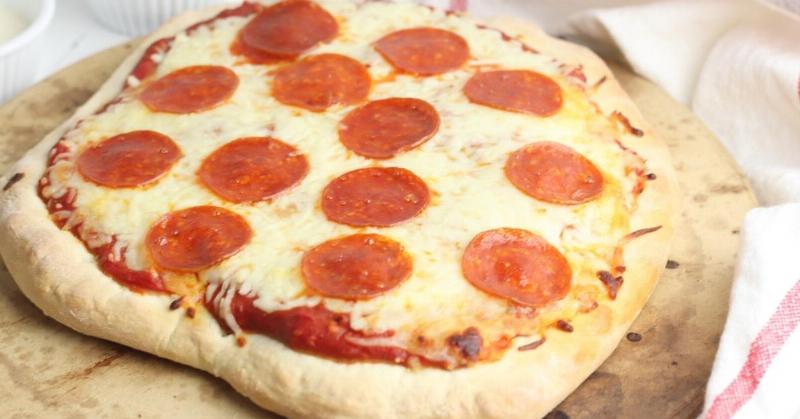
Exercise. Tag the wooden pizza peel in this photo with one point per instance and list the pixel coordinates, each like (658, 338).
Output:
(47, 370)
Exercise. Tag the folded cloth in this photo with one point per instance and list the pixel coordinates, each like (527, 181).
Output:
(758, 361)
(737, 64)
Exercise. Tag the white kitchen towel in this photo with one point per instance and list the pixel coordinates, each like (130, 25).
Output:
(737, 64)
(758, 362)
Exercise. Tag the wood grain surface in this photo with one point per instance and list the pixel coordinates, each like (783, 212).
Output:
(47, 370)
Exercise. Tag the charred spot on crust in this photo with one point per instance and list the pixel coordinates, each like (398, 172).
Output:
(633, 337)
(598, 83)
(611, 282)
(13, 179)
(190, 312)
(241, 341)
(671, 264)
(641, 232)
(468, 342)
(622, 119)
(651, 176)
(533, 345)
(176, 303)
(564, 326)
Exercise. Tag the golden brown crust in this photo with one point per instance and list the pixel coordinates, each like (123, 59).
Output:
(56, 272)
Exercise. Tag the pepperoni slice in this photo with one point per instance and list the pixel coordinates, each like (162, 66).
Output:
(516, 91)
(375, 196)
(289, 28)
(517, 265)
(127, 160)
(252, 169)
(253, 55)
(320, 81)
(424, 51)
(356, 267)
(554, 173)
(383, 128)
(190, 89)
(193, 239)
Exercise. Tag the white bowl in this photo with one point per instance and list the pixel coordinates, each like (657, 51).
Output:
(140, 17)
(19, 58)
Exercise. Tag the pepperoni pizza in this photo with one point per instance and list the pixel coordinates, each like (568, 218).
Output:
(351, 209)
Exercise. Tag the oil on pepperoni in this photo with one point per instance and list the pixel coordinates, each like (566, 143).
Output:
(424, 51)
(253, 169)
(196, 238)
(375, 196)
(190, 89)
(126, 160)
(517, 265)
(359, 266)
(554, 173)
(383, 128)
(321, 81)
(522, 91)
(288, 29)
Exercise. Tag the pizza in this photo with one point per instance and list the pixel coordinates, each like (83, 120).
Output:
(351, 209)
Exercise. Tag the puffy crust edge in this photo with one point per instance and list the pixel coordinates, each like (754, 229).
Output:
(53, 270)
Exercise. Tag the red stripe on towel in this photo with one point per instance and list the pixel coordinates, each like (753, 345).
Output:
(763, 349)
(458, 5)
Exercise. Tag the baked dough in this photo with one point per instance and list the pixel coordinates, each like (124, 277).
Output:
(57, 273)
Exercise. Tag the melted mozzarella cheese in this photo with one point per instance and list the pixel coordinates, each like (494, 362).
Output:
(462, 165)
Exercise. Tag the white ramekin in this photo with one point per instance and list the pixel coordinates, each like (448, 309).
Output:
(19, 58)
(140, 17)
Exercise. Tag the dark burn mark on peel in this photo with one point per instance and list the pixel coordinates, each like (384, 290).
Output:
(88, 371)
(611, 282)
(468, 343)
(176, 303)
(531, 346)
(671, 264)
(564, 326)
(622, 119)
(633, 337)
(12, 180)
(727, 189)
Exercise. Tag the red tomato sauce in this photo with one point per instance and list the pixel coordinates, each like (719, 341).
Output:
(316, 330)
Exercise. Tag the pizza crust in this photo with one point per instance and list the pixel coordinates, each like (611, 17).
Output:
(53, 269)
